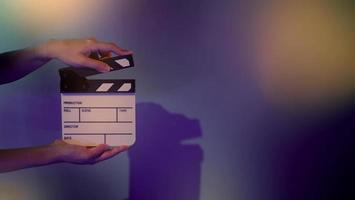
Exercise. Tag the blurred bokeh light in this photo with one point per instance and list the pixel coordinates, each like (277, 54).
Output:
(305, 54)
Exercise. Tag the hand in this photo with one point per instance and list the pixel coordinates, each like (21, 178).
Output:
(75, 52)
(83, 155)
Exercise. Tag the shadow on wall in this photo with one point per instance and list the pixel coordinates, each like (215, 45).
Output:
(161, 166)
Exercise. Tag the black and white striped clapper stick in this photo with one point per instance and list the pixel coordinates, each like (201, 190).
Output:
(98, 111)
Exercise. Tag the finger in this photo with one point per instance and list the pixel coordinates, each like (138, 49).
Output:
(105, 54)
(58, 141)
(97, 151)
(103, 46)
(109, 154)
(92, 63)
(91, 39)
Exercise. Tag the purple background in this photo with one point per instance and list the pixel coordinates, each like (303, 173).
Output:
(205, 130)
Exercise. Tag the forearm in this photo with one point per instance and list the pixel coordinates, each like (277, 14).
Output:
(74, 52)
(15, 159)
(17, 64)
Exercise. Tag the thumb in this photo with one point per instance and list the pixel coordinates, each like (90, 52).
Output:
(92, 63)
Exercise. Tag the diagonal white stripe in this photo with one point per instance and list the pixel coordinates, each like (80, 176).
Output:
(104, 87)
(123, 62)
(125, 87)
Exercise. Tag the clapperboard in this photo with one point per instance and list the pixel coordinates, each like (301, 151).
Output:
(98, 111)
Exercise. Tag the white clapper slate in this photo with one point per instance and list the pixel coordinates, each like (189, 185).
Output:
(98, 111)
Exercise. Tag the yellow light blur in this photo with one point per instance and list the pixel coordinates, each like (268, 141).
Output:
(16, 190)
(305, 54)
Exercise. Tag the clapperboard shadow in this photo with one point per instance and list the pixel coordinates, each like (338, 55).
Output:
(171, 169)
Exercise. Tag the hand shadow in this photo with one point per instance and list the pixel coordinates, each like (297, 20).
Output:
(161, 166)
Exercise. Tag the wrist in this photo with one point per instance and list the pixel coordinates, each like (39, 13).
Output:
(55, 154)
(45, 50)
